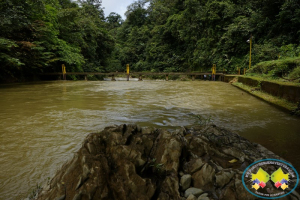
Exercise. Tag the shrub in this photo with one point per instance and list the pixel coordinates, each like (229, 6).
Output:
(276, 68)
(295, 74)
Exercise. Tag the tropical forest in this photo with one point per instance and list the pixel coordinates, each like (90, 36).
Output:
(168, 100)
(38, 36)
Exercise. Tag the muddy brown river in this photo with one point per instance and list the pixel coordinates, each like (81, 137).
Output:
(43, 124)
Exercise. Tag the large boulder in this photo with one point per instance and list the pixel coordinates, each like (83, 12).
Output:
(129, 162)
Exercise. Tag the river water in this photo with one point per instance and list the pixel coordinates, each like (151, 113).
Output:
(43, 124)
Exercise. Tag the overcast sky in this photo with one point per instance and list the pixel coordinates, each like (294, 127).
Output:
(117, 6)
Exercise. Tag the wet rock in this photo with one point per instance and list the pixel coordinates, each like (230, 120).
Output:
(193, 166)
(191, 197)
(203, 195)
(204, 177)
(185, 181)
(91, 148)
(203, 198)
(77, 197)
(61, 197)
(129, 162)
(170, 188)
(229, 192)
(194, 191)
(223, 177)
(168, 150)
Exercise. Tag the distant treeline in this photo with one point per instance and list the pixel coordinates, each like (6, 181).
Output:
(39, 36)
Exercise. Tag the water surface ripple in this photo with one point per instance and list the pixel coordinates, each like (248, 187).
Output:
(43, 124)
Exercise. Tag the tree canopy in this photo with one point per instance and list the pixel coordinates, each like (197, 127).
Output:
(187, 35)
(38, 36)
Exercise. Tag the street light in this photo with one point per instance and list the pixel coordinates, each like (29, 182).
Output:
(250, 41)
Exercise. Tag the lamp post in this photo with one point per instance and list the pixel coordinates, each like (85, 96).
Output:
(250, 41)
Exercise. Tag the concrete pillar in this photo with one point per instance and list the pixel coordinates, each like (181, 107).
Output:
(113, 78)
(140, 77)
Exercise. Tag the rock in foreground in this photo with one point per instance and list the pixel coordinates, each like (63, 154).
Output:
(128, 162)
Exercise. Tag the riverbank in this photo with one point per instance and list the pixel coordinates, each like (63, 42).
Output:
(284, 95)
(132, 162)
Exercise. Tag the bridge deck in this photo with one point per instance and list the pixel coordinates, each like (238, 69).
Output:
(135, 73)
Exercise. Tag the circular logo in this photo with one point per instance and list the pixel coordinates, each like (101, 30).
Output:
(270, 179)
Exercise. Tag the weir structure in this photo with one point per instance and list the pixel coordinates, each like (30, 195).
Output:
(219, 75)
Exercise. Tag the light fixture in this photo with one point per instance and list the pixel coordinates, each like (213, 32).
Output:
(250, 41)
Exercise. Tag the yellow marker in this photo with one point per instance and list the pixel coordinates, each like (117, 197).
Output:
(63, 69)
(233, 161)
(213, 69)
(284, 186)
(127, 68)
(255, 186)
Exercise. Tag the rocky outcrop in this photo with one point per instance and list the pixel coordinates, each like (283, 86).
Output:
(129, 162)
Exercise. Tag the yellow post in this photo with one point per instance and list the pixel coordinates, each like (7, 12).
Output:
(64, 71)
(250, 51)
(213, 71)
(127, 69)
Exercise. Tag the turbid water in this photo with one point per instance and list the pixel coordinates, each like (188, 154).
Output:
(43, 124)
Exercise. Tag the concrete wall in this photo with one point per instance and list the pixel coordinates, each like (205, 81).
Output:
(249, 81)
(288, 92)
(228, 78)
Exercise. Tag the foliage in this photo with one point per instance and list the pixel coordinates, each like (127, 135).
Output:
(277, 68)
(295, 74)
(192, 35)
(159, 36)
(40, 36)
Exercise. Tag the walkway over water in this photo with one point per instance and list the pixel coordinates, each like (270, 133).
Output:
(140, 74)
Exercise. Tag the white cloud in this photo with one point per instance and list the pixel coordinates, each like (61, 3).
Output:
(117, 6)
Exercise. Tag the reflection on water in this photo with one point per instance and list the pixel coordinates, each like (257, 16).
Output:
(43, 124)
